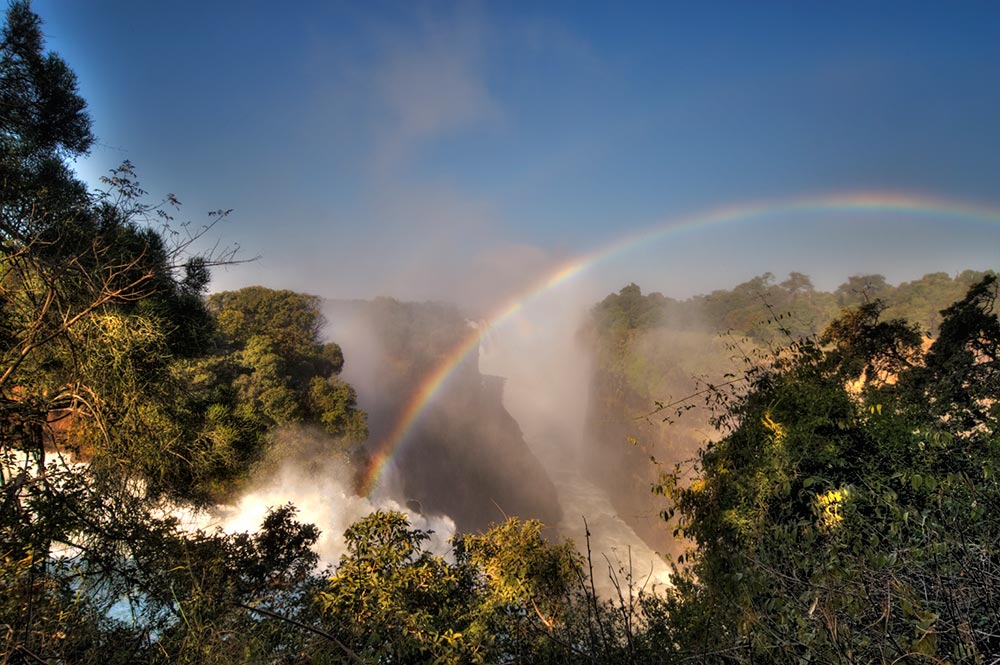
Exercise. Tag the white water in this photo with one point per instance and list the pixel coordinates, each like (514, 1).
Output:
(546, 392)
(319, 489)
(617, 553)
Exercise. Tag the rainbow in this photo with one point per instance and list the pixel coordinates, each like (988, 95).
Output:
(871, 202)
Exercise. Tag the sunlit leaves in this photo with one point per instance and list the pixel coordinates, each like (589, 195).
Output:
(874, 510)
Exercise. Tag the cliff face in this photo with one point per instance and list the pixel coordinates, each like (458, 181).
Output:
(649, 349)
(465, 456)
(630, 439)
(468, 459)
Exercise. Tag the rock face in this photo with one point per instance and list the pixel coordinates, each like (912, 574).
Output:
(620, 448)
(469, 459)
(628, 440)
(465, 456)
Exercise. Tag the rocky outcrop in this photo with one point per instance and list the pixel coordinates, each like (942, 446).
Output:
(631, 434)
(465, 456)
(621, 447)
(468, 458)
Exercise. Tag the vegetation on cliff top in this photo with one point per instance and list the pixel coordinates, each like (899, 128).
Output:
(846, 511)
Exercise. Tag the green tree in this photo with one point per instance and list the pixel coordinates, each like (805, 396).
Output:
(281, 367)
(100, 316)
(43, 121)
(798, 283)
(503, 596)
(838, 520)
(861, 288)
(391, 600)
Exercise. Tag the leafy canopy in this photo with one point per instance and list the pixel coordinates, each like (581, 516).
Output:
(851, 500)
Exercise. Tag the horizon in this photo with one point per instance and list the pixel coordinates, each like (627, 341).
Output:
(462, 152)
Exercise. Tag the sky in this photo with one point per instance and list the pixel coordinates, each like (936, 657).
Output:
(462, 151)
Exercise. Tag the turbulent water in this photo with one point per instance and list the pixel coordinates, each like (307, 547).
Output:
(546, 393)
(617, 553)
(320, 488)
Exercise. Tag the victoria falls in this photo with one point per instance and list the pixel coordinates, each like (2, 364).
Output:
(499, 333)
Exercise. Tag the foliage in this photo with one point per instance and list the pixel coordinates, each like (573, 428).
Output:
(847, 512)
(281, 370)
(127, 585)
(106, 353)
(766, 311)
(648, 352)
(629, 309)
(96, 302)
(506, 596)
(42, 120)
(391, 600)
(838, 521)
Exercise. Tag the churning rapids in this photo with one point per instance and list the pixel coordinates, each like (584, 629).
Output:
(546, 393)
(545, 390)
(616, 550)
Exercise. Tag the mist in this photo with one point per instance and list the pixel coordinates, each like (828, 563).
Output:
(521, 425)
(543, 353)
(708, 296)
(320, 487)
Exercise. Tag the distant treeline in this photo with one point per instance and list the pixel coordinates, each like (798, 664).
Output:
(648, 352)
(846, 510)
(761, 307)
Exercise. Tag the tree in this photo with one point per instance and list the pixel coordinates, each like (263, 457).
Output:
(86, 281)
(629, 309)
(507, 596)
(43, 121)
(57, 271)
(844, 521)
(960, 378)
(99, 305)
(281, 367)
(798, 283)
(861, 288)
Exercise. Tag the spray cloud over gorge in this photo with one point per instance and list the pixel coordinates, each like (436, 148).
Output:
(474, 159)
(654, 279)
(509, 406)
(504, 436)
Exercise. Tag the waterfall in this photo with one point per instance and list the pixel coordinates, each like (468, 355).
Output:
(546, 391)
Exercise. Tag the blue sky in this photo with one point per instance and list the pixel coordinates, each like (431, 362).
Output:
(458, 150)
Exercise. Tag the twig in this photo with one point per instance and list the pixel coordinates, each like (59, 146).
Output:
(322, 633)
